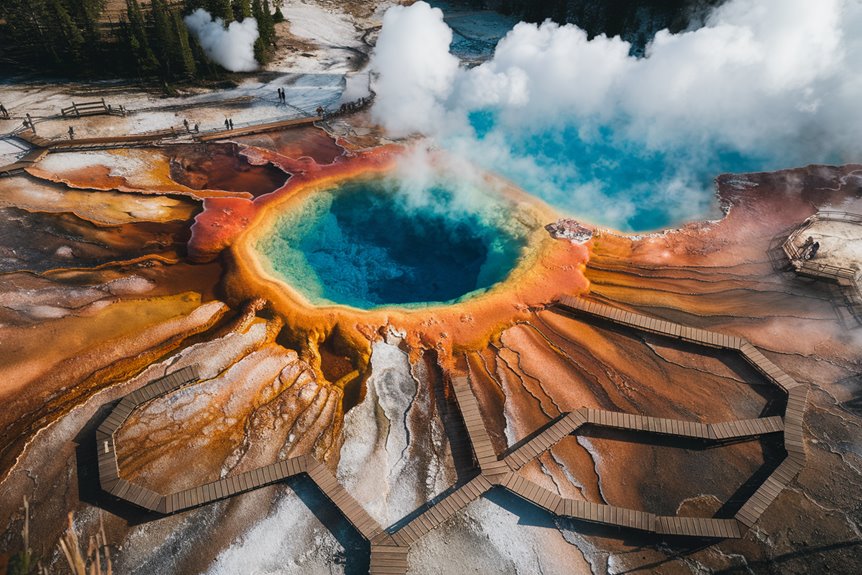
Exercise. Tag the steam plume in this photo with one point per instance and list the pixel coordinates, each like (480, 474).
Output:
(231, 48)
(634, 142)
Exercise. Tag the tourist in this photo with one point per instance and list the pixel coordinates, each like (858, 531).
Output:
(230, 123)
(226, 124)
(71, 133)
(197, 128)
(4, 112)
(186, 124)
(815, 247)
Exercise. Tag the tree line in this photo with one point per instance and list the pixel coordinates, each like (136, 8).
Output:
(148, 40)
(636, 21)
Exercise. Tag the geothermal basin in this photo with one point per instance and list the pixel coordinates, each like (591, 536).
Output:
(375, 242)
(361, 245)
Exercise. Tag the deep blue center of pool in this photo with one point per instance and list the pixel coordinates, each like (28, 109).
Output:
(364, 246)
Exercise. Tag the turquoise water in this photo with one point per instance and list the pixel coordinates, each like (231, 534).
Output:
(367, 244)
(604, 178)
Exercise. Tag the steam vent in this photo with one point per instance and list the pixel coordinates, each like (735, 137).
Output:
(312, 287)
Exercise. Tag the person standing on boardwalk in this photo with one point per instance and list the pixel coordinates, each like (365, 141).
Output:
(4, 112)
(71, 133)
(226, 124)
(186, 124)
(230, 123)
(815, 247)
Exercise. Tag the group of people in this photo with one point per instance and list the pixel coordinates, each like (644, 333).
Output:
(345, 108)
(189, 129)
(349, 107)
(810, 248)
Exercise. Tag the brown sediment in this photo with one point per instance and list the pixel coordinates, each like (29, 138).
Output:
(83, 354)
(101, 208)
(526, 364)
(151, 174)
(298, 143)
(223, 167)
(547, 266)
(724, 276)
(43, 241)
(267, 391)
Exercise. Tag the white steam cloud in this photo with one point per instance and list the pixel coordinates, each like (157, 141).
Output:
(765, 84)
(233, 47)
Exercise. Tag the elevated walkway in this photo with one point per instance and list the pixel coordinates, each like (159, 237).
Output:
(390, 546)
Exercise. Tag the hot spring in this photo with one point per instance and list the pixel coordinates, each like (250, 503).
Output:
(373, 243)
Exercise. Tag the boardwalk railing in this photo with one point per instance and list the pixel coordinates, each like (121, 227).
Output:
(252, 129)
(849, 279)
(390, 547)
(96, 108)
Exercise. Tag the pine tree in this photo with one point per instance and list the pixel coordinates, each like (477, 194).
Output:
(185, 55)
(165, 38)
(68, 39)
(221, 9)
(241, 9)
(205, 67)
(192, 5)
(265, 26)
(267, 22)
(261, 45)
(139, 44)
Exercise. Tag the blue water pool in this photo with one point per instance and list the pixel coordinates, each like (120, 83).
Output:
(604, 177)
(366, 244)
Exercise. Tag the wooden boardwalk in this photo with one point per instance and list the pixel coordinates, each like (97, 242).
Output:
(258, 129)
(43, 146)
(850, 280)
(107, 141)
(797, 398)
(110, 480)
(390, 546)
(26, 161)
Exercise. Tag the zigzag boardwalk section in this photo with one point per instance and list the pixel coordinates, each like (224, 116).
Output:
(528, 450)
(797, 398)
(482, 447)
(390, 547)
(111, 481)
